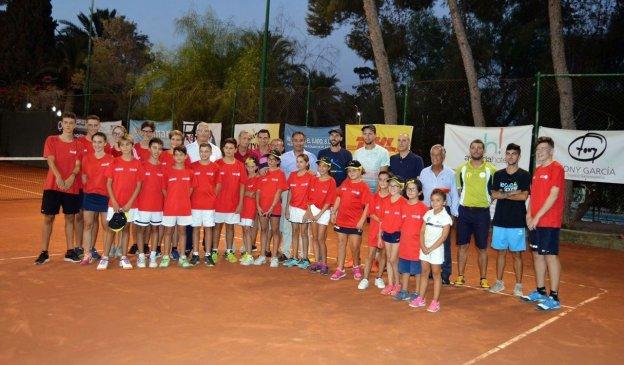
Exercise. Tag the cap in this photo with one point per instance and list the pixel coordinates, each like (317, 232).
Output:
(397, 179)
(118, 221)
(371, 127)
(336, 130)
(354, 164)
(324, 160)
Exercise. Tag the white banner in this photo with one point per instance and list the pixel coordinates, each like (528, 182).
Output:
(589, 155)
(457, 143)
(188, 128)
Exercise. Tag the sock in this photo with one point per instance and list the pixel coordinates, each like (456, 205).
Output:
(206, 253)
(542, 290)
(554, 295)
(214, 250)
(153, 255)
(195, 253)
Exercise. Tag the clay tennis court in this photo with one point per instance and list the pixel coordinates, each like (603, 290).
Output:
(66, 313)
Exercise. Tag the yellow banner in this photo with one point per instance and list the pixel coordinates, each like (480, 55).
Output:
(386, 136)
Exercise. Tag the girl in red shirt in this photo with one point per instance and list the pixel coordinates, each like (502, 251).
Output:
(141, 149)
(118, 132)
(248, 214)
(296, 206)
(348, 216)
(203, 203)
(390, 232)
(269, 207)
(321, 197)
(375, 246)
(95, 203)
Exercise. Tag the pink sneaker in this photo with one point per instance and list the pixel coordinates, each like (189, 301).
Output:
(339, 274)
(86, 259)
(357, 273)
(419, 302)
(387, 290)
(434, 306)
(395, 290)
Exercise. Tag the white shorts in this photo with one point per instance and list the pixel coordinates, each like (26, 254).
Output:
(180, 220)
(227, 218)
(247, 222)
(435, 257)
(324, 218)
(145, 219)
(132, 214)
(296, 215)
(203, 218)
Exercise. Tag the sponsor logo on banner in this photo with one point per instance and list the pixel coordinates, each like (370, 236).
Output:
(386, 136)
(317, 138)
(253, 128)
(162, 131)
(188, 129)
(588, 147)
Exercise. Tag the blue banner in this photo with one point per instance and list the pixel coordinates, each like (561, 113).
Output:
(317, 138)
(162, 131)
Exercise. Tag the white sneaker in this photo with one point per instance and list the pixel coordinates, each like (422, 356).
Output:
(152, 262)
(141, 261)
(103, 265)
(498, 287)
(247, 260)
(274, 262)
(125, 263)
(518, 290)
(260, 260)
(379, 283)
(363, 284)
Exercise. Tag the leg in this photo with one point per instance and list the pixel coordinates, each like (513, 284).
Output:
(88, 239)
(500, 264)
(188, 240)
(539, 262)
(305, 240)
(394, 258)
(354, 241)
(208, 236)
(315, 241)
(154, 234)
(296, 236)
(424, 278)
(275, 236)
(517, 256)
(462, 258)
(372, 252)
(285, 227)
(125, 236)
(322, 238)
(447, 266)
(109, 237)
(264, 234)
(404, 281)
(167, 240)
(381, 255)
(391, 277)
(140, 234)
(69, 230)
(437, 281)
(342, 250)
(46, 231)
(181, 237)
(216, 236)
(554, 271)
(102, 221)
(79, 227)
(196, 237)
(229, 236)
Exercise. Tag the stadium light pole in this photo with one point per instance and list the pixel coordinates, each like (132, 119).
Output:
(263, 68)
(87, 88)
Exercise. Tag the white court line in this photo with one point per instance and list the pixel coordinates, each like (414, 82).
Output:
(16, 178)
(28, 257)
(524, 334)
(27, 191)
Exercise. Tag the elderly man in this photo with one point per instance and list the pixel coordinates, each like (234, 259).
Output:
(202, 135)
(338, 156)
(438, 176)
(373, 157)
(243, 151)
(406, 164)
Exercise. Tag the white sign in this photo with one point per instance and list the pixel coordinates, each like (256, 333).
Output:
(457, 143)
(589, 155)
(188, 128)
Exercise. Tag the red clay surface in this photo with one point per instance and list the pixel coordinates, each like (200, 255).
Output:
(64, 313)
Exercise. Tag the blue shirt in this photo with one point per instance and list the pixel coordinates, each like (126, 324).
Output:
(408, 167)
(339, 161)
(289, 162)
(444, 180)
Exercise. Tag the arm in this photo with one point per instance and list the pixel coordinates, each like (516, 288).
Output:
(218, 189)
(276, 199)
(258, 208)
(440, 240)
(552, 197)
(422, 237)
(70, 180)
(286, 208)
(360, 223)
(109, 188)
(57, 174)
(335, 209)
(241, 195)
(137, 189)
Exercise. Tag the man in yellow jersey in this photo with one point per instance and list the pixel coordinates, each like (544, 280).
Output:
(474, 179)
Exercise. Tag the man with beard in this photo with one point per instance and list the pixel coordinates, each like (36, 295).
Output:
(474, 179)
(372, 156)
(338, 156)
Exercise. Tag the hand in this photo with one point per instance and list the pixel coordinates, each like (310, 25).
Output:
(316, 217)
(333, 218)
(269, 212)
(127, 207)
(264, 171)
(115, 206)
(60, 183)
(532, 224)
(359, 225)
(70, 181)
(239, 208)
(425, 250)
(380, 244)
(307, 216)
(260, 211)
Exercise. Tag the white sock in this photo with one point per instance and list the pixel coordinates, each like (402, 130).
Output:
(153, 255)
(195, 253)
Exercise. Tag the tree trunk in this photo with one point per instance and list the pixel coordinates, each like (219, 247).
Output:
(469, 67)
(381, 63)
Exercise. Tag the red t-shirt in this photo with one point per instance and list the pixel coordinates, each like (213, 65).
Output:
(299, 187)
(392, 215)
(544, 178)
(375, 208)
(143, 153)
(166, 159)
(88, 146)
(95, 171)
(126, 175)
(322, 192)
(151, 198)
(409, 245)
(249, 203)
(178, 184)
(267, 186)
(250, 153)
(113, 151)
(204, 194)
(65, 156)
(353, 199)
(231, 177)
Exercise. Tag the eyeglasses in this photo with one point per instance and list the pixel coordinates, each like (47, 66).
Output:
(147, 131)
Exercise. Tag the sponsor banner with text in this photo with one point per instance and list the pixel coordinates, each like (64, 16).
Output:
(317, 138)
(162, 130)
(188, 128)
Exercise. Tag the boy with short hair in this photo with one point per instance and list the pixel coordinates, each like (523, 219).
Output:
(203, 202)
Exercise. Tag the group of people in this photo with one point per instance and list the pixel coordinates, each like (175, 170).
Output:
(178, 201)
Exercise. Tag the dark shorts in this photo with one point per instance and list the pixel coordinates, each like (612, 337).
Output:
(346, 230)
(545, 241)
(276, 215)
(411, 267)
(473, 221)
(53, 200)
(95, 203)
(393, 237)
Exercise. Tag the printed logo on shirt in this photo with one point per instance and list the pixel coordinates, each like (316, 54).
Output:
(545, 177)
(133, 169)
(73, 152)
(119, 168)
(105, 164)
(236, 174)
(148, 174)
(355, 192)
(186, 179)
(173, 179)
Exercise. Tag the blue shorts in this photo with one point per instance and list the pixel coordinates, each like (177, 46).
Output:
(393, 237)
(473, 221)
(512, 239)
(95, 203)
(545, 240)
(411, 267)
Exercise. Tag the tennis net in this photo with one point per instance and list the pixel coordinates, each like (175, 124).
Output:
(22, 177)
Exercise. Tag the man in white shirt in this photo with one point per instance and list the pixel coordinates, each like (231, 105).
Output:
(373, 157)
(202, 135)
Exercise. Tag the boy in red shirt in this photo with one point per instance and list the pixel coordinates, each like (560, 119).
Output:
(544, 217)
(61, 187)
(230, 193)
(150, 205)
(203, 202)
(124, 178)
(177, 188)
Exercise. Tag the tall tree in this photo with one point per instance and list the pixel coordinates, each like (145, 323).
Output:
(469, 65)
(564, 84)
